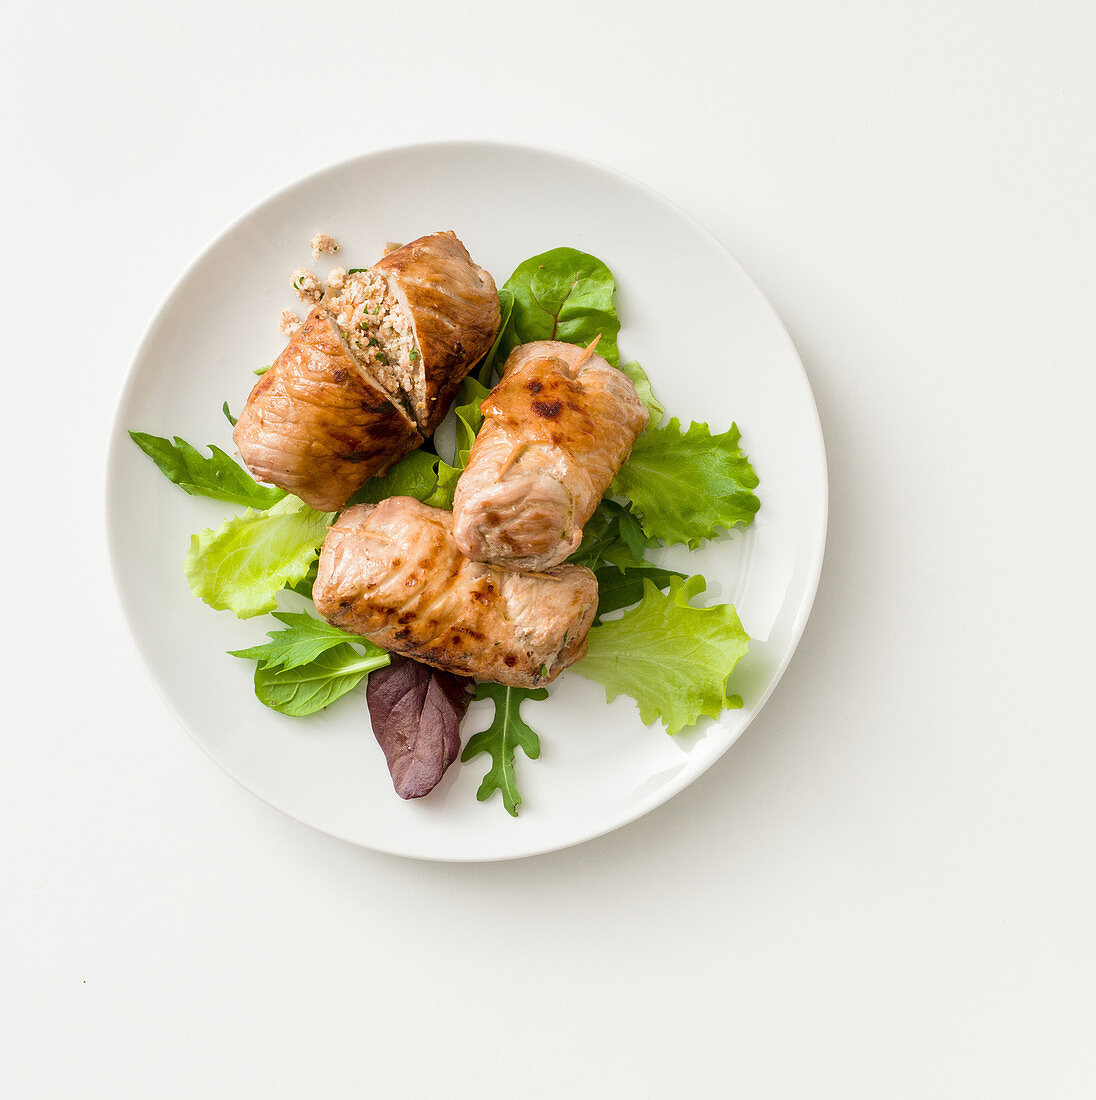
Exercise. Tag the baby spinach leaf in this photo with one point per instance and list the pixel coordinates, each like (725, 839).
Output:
(563, 294)
(617, 588)
(415, 475)
(505, 342)
(686, 486)
(502, 739)
(217, 476)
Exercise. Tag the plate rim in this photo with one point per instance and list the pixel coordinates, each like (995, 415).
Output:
(118, 430)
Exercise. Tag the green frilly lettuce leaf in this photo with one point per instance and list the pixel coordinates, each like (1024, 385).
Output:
(686, 486)
(672, 658)
(241, 566)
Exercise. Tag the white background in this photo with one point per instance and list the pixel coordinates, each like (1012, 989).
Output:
(887, 887)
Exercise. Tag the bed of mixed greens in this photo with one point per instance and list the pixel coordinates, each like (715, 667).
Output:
(679, 486)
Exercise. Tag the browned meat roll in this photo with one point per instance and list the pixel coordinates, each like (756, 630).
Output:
(318, 423)
(557, 429)
(420, 319)
(392, 573)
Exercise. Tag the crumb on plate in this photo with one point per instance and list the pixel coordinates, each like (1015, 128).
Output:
(307, 285)
(321, 243)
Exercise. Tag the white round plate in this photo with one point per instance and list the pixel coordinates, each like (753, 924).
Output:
(715, 351)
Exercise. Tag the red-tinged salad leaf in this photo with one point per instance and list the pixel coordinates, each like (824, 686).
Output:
(416, 711)
(501, 739)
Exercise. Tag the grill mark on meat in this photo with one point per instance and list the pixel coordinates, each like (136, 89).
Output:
(549, 409)
(535, 386)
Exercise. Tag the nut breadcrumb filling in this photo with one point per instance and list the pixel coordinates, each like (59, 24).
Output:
(378, 332)
(336, 278)
(306, 285)
(290, 323)
(321, 243)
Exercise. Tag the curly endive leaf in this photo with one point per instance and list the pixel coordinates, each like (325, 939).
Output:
(672, 658)
(243, 565)
(686, 486)
(501, 739)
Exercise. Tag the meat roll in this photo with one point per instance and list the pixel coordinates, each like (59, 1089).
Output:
(318, 423)
(557, 429)
(420, 319)
(393, 573)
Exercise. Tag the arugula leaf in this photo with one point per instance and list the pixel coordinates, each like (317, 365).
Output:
(642, 383)
(415, 475)
(218, 476)
(671, 657)
(563, 294)
(310, 687)
(612, 534)
(228, 414)
(617, 588)
(305, 638)
(470, 397)
(491, 366)
(469, 421)
(684, 486)
(448, 476)
(242, 565)
(501, 739)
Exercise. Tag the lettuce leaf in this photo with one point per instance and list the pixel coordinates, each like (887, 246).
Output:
(507, 733)
(638, 377)
(563, 294)
(243, 565)
(217, 476)
(685, 486)
(672, 658)
(469, 398)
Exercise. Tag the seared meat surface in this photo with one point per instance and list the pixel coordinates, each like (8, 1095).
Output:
(557, 429)
(317, 424)
(421, 318)
(393, 573)
(371, 372)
